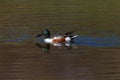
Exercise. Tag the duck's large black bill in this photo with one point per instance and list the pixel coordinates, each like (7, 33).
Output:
(39, 35)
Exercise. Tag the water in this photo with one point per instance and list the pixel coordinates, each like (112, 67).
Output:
(94, 55)
(87, 58)
(98, 41)
(113, 41)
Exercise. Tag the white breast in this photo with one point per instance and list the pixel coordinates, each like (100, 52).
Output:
(48, 40)
(67, 39)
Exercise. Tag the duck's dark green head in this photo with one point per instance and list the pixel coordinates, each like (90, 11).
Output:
(46, 33)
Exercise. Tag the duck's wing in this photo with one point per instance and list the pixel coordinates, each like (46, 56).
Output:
(69, 33)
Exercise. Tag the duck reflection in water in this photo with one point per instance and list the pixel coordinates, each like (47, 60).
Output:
(45, 47)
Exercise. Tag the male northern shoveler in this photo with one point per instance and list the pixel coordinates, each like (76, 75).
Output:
(67, 37)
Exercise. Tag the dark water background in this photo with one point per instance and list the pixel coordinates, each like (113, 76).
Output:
(94, 56)
(89, 57)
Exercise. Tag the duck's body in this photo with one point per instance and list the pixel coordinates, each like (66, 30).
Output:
(57, 39)
(67, 38)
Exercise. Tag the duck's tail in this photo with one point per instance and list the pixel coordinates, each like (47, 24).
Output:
(73, 37)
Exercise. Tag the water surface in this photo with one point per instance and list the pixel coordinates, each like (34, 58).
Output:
(87, 58)
(94, 55)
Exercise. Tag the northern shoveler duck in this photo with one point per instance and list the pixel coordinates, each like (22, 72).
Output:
(67, 37)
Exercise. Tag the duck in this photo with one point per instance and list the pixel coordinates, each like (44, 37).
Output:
(65, 38)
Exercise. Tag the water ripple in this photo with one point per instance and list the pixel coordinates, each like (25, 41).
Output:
(80, 40)
(97, 41)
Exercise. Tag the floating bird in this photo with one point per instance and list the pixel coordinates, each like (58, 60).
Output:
(66, 37)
